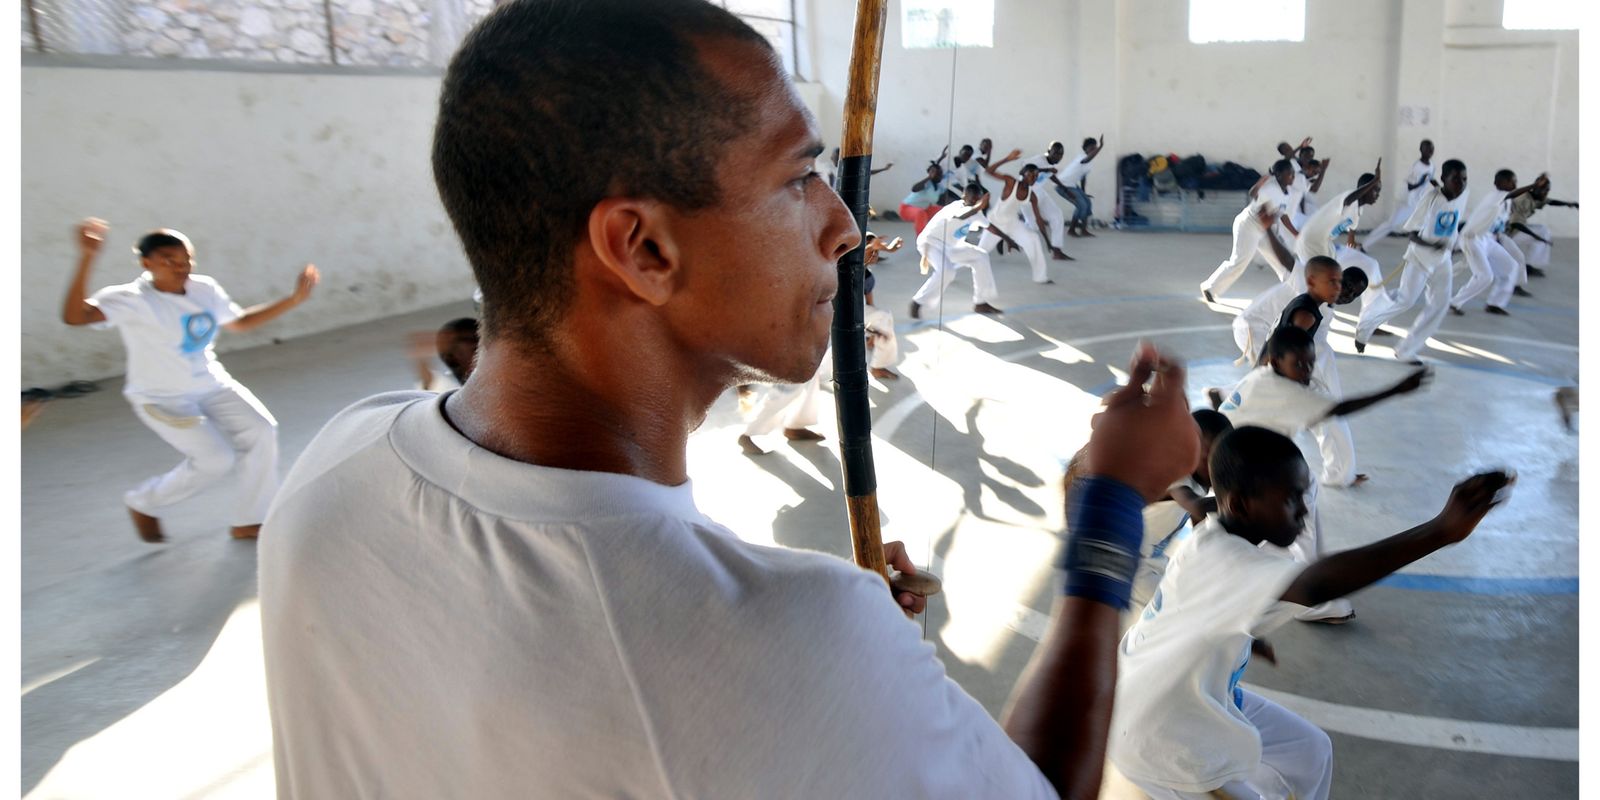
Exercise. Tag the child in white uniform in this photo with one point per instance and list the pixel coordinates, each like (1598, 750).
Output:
(1427, 266)
(1489, 261)
(1014, 211)
(1416, 187)
(945, 249)
(168, 318)
(1531, 237)
(1268, 198)
(1330, 231)
(1280, 395)
(1052, 222)
(1182, 725)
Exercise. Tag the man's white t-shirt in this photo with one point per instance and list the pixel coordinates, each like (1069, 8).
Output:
(1268, 400)
(1327, 226)
(170, 338)
(1042, 161)
(1489, 215)
(1271, 197)
(963, 175)
(944, 228)
(1075, 171)
(1177, 721)
(1436, 219)
(1419, 172)
(440, 621)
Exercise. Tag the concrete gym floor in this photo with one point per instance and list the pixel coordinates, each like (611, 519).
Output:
(1459, 678)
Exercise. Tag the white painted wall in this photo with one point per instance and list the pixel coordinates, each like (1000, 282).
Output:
(263, 170)
(270, 169)
(1066, 69)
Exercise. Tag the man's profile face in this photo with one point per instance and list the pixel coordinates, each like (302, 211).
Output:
(758, 269)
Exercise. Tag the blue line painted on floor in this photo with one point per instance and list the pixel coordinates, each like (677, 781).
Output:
(1489, 586)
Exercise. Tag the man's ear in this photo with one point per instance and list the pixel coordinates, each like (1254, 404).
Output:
(633, 240)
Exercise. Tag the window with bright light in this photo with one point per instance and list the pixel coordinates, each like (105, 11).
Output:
(775, 20)
(1247, 21)
(1540, 15)
(946, 23)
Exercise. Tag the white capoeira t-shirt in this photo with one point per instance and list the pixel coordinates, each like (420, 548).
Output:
(1326, 229)
(1268, 400)
(170, 338)
(1489, 215)
(963, 175)
(1270, 197)
(1075, 170)
(1178, 721)
(1419, 172)
(944, 228)
(1437, 219)
(440, 621)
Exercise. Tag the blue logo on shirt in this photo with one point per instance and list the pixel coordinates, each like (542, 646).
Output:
(1342, 228)
(198, 331)
(1233, 680)
(1233, 402)
(1445, 224)
(961, 232)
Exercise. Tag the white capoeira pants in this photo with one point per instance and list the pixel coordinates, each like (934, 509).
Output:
(1026, 237)
(1296, 759)
(1510, 246)
(216, 432)
(945, 259)
(1491, 266)
(1397, 219)
(884, 349)
(1428, 283)
(1249, 239)
(792, 405)
(1054, 218)
(1334, 440)
(1537, 252)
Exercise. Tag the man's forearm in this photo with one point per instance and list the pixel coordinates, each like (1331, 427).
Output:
(256, 316)
(72, 307)
(1060, 712)
(1340, 574)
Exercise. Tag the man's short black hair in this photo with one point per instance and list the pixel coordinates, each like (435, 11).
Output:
(1289, 339)
(1212, 423)
(1451, 167)
(1307, 149)
(1321, 263)
(1089, 142)
(1248, 460)
(1504, 174)
(1366, 178)
(159, 238)
(1354, 281)
(1428, 142)
(966, 148)
(548, 108)
(1282, 164)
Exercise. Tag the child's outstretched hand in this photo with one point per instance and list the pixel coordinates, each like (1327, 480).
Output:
(1471, 500)
(305, 282)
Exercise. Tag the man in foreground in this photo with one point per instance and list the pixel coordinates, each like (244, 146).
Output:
(507, 590)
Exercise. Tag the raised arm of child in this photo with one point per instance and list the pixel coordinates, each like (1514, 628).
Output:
(1412, 382)
(1337, 575)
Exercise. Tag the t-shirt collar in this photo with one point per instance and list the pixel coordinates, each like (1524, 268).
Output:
(440, 454)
